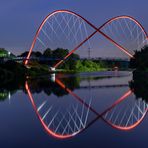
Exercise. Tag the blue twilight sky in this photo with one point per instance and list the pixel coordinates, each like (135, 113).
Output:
(19, 19)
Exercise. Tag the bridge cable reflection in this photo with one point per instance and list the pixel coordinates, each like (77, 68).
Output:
(122, 98)
(106, 115)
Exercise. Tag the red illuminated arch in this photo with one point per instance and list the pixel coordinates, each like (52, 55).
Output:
(95, 28)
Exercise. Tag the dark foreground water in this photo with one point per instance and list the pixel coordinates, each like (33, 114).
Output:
(82, 110)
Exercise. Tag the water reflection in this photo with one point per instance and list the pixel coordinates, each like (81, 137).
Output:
(74, 112)
(139, 85)
(70, 103)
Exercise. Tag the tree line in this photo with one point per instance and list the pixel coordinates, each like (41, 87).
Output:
(51, 57)
(73, 62)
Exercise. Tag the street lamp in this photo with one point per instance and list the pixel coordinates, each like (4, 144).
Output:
(9, 53)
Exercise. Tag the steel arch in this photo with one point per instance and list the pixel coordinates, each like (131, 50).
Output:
(90, 24)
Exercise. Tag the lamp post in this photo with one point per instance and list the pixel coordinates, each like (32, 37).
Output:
(9, 53)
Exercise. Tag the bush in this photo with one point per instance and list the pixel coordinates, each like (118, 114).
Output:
(88, 65)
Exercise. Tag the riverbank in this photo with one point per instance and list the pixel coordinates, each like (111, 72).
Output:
(46, 83)
(12, 69)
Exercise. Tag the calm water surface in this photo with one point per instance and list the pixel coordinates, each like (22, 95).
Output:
(74, 110)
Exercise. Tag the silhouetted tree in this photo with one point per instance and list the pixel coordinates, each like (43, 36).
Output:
(140, 60)
(38, 54)
(33, 54)
(47, 53)
(59, 53)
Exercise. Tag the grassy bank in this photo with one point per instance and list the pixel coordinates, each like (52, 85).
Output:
(11, 70)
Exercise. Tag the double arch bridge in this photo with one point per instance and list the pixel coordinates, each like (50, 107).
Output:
(69, 30)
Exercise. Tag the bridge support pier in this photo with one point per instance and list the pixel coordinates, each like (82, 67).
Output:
(52, 69)
(52, 77)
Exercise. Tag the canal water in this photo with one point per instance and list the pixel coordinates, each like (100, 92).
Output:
(98, 109)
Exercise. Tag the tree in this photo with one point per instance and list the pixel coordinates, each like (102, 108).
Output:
(38, 54)
(72, 61)
(47, 53)
(140, 60)
(33, 54)
(59, 53)
(24, 54)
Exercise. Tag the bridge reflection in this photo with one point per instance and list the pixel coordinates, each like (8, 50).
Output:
(68, 116)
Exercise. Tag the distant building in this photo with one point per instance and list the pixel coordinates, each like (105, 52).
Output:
(5, 55)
